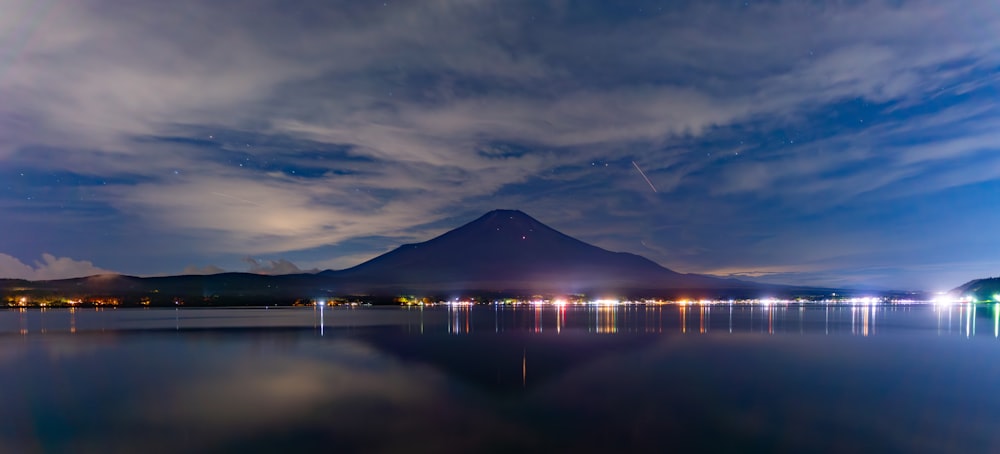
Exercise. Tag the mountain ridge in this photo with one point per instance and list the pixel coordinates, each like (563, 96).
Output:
(501, 252)
(509, 248)
(984, 289)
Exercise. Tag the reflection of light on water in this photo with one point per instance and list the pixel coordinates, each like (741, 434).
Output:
(938, 310)
(773, 319)
(23, 320)
(459, 316)
(652, 314)
(606, 320)
(967, 314)
(863, 319)
(996, 320)
(730, 317)
(972, 316)
(610, 319)
(966, 320)
(869, 315)
(770, 319)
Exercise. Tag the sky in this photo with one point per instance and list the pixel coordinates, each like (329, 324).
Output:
(848, 143)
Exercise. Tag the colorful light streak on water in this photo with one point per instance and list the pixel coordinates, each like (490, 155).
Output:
(861, 319)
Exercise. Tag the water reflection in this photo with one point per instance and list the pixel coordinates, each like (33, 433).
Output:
(961, 319)
(605, 319)
(863, 320)
(383, 388)
(461, 318)
(322, 319)
(858, 320)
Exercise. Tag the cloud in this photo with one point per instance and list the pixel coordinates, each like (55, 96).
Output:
(274, 267)
(50, 267)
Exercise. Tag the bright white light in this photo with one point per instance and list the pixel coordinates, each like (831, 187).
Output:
(866, 300)
(944, 300)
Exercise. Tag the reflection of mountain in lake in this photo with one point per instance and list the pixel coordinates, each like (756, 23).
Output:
(514, 362)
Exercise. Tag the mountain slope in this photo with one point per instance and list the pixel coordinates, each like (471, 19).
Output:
(982, 289)
(507, 249)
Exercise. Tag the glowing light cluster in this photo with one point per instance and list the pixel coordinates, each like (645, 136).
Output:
(864, 300)
(944, 299)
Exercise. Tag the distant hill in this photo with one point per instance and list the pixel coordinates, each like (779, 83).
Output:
(981, 289)
(504, 252)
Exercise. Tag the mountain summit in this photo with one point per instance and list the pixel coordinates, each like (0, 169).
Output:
(510, 250)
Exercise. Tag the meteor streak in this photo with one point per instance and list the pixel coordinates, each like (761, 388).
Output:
(650, 183)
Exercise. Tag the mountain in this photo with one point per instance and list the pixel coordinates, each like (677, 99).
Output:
(508, 250)
(987, 289)
(503, 252)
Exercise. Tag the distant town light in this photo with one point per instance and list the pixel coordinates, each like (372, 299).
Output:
(944, 300)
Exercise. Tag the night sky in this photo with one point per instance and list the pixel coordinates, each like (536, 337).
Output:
(848, 144)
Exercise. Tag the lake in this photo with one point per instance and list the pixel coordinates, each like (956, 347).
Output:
(784, 378)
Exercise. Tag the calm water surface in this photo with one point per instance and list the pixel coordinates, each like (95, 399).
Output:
(486, 379)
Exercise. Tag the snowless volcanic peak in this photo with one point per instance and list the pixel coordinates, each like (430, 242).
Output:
(501, 240)
(507, 232)
(509, 249)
